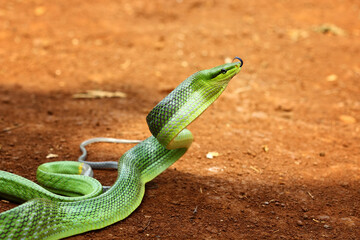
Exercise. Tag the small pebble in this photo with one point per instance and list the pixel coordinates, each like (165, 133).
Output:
(39, 11)
(212, 229)
(323, 218)
(259, 115)
(348, 221)
(184, 64)
(327, 226)
(227, 60)
(299, 223)
(331, 78)
(211, 155)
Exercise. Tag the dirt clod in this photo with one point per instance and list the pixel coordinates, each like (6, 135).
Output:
(299, 223)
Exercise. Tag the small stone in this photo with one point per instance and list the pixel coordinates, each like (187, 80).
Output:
(75, 41)
(266, 203)
(57, 72)
(227, 60)
(5, 100)
(306, 217)
(327, 226)
(331, 78)
(259, 115)
(344, 184)
(265, 148)
(348, 221)
(322, 154)
(286, 107)
(323, 217)
(212, 229)
(184, 64)
(159, 45)
(297, 34)
(299, 223)
(38, 11)
(211, 155)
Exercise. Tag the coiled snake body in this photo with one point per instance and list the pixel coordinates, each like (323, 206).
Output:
(46, 215)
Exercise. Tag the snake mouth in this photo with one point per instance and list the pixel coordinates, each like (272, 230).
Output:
(221, 75)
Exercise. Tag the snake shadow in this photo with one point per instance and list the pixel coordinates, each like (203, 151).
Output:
(181, 205)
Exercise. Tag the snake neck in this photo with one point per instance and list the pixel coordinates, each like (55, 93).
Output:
(150, 158)
(182, 106)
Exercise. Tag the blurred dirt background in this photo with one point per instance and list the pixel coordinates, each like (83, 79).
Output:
(286, 129)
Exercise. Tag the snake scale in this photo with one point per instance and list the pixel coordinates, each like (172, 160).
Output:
(47, 215)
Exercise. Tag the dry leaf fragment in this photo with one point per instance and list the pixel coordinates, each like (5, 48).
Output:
(51, 155)
(330, 28)
(255, 169)
(215, 169)
(91, 94)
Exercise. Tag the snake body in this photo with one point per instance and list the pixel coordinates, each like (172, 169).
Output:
(50, 216)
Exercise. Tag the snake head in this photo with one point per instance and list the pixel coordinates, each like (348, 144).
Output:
(187, 102)
(223, 73)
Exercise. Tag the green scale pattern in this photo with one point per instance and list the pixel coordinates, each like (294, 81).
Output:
(178, 109)
(121, 199)
(42, 218)
(164, 110)
(16, 188)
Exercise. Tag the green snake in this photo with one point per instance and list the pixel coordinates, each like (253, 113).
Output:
(80, 204)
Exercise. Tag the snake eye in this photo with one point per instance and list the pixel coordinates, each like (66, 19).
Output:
(223, 71)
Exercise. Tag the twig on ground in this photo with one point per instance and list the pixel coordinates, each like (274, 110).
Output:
(7, 129)
(144, 228)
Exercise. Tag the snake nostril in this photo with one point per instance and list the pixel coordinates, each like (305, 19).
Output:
(241, 61)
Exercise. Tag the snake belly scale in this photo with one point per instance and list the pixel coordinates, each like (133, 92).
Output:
(47, 215)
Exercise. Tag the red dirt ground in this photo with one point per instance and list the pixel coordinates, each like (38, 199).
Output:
(286, 129)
